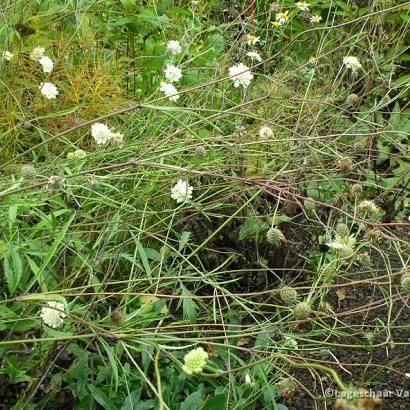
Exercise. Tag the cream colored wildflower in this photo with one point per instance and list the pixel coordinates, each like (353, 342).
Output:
(352, 62)
(172, 73)
(170, 91)
(265, 132)
(7, 55)
(181, 191)
(49, 90)
(101, 133)
(54, 314)
(37, 53)
(47, 64)
(174, 47)
(241, 76)
(254, 56)
(195, 361)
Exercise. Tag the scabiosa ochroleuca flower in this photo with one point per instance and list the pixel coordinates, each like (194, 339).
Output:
(7, 55)
(352, 62)
(181, 191)
(265, 132)
(47, 64)
(195, 361)
(170, 91)
(37, 53)
(53, 314)
(254, 56)
(172, 73)
(49, 90)
(241, 76)
(174, 47)
(101, 133)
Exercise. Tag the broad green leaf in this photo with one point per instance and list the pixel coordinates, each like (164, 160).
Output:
(192, 402)
(101, 398)
(216, 402)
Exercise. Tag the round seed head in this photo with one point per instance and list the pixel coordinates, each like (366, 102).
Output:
(275, 237)
(345, 164)
(342, 229)
(352, 100)
(359, 147)
(200, 151)
(367, 207)
(357, 189)
(27, 170)
(289, 295)
(405, 284)
(302, 310)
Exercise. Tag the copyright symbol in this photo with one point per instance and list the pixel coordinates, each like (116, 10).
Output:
(329, 393)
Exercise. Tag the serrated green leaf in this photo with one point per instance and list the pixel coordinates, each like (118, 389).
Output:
(252, 228)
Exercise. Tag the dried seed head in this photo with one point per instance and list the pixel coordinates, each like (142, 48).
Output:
(405, 283)
(342, 229)
(374, 235)
(357, 189)
(289, 295)
(367, 208)
(275, 237)
(275, 7)
(352, 100)
(302, 310)
(55, 182)
(27, 170)
(345, 164)
(117, 317)
(364, 259)
(200, 151)
(359, 147)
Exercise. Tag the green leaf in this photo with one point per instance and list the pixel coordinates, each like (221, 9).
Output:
(24, 325)
(17, 267)
(217, 402)
(49, 255)
(101, 398)
(13, 269)
(112, 360)
(212, 48)
(252, 228)
(401, 81)
(132, 402)
(12, 215)
(144, 258)
(189, 307)
(278, 219)
(192, 402)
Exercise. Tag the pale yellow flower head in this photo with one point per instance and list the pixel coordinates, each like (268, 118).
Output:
(195, 361)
